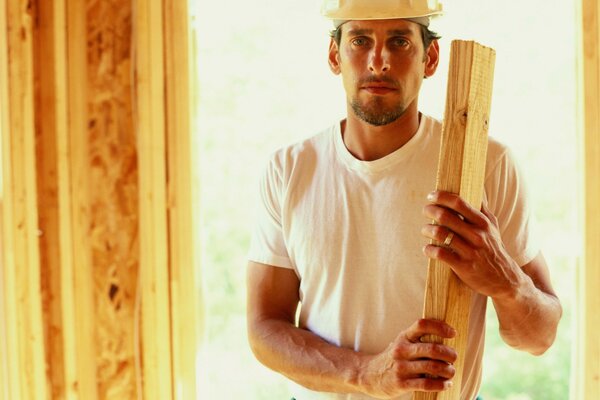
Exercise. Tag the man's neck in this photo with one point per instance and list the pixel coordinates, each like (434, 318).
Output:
(368, 142)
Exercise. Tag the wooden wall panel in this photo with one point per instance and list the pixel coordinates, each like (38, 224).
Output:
(113, 174)
(588, 366)
(90, 307)
(24, 326)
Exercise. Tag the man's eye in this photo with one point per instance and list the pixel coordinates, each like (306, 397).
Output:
(359, 41)
(400, 42)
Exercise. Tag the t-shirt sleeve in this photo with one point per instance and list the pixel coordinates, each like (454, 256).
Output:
(267, 244)
(506, 194)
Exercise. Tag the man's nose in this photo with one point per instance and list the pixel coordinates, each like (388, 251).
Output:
(379, 60)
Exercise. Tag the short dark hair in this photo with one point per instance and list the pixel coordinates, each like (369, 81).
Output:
(427, 35)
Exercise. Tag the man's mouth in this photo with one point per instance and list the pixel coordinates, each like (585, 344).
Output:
(378, 87)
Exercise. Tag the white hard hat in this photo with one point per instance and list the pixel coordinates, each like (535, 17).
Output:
(344, 10)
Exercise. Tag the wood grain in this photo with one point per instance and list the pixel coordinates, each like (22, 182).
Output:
(182, 238)
(461, 170)
(21, 257)
(154, 240)
(588, 339)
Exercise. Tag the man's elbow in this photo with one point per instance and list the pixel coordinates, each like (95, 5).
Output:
(538, 341)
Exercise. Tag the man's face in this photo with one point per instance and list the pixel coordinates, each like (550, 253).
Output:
(382, 64)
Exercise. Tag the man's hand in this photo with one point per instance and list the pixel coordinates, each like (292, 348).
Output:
(408, 365)
(475, 250)
(527, 306)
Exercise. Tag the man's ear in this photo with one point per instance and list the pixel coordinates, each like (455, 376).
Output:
(432, 58)
(334, 57)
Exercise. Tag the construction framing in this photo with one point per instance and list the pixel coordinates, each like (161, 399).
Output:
(100, 289)
(587, 382)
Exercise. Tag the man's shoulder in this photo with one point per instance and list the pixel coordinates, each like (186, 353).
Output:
(307, 149)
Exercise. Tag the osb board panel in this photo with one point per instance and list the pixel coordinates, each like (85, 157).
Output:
(114, 195)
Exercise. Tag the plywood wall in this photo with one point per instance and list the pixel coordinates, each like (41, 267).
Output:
(79, 294)
(113, 171)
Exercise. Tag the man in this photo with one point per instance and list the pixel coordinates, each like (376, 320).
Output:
(338, 232)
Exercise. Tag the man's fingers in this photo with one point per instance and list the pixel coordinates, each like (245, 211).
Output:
(472, 234)
(425, 327)
(440, 234)
(430, 351)
(457, 204)
(430, 368)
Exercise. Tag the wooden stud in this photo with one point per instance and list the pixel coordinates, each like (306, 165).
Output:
(50, 105)
(461, 170)
(183, 265)
(21, 273)
(5, 384)
(76, 278)
(154, 241)
(587, 385)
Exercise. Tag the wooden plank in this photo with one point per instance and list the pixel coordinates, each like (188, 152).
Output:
(152, 151)
(48, 102)
(5, 384)
(78, 311)
(588, 341)
(183, 261)
(4, 381)
(25, 341)
(461, 170)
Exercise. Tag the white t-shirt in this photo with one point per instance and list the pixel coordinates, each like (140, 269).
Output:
(350, 229)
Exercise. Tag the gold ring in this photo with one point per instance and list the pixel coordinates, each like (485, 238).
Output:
(449, 239)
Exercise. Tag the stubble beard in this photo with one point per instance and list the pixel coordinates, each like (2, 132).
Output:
(375, 112)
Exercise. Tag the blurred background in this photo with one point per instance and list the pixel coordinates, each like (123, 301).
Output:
(264, 82)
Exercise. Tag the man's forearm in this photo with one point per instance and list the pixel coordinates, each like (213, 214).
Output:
(305, 358)
(528, 317)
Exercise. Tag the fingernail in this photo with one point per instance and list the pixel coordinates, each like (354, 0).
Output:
(431, 196)
(448, 384)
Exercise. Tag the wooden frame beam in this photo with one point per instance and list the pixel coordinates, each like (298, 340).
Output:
(185, 285)
(21, 263)
(64, 123)
(587, 384)
(461, 170)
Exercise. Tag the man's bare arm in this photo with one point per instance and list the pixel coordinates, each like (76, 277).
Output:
(530, 312)
(527, 306)
(316, 364)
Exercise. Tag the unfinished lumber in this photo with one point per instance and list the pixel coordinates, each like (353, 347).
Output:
(4, 126)
(21, 263)
(77, 287)
(587, 385)
(154, 240)
(4, 383)
(49, 100)
(185, 287)
(461, 170)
